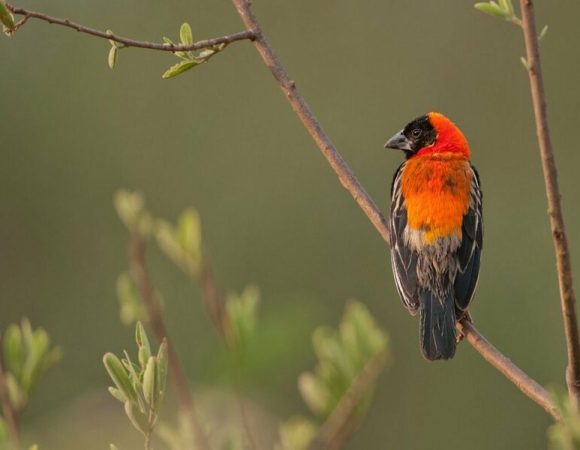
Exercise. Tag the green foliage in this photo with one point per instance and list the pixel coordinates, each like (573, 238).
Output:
(343, 355)
(242, 311)
(130, 207)
(131, 308)
(504, 9)
(139, 386)
(113, 55)
(189, 59)
(565, 434)
(28, 354)
(6, 18)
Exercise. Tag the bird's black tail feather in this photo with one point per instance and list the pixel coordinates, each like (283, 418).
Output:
(437, 326)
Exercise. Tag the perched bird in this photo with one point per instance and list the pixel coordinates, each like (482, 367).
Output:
(435, 228)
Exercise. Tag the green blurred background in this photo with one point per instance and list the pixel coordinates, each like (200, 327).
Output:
(223, 139)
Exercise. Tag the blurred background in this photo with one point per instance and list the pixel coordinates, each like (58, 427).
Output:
(223, 139)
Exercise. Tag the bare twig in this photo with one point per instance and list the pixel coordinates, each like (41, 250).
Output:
(183, 394)
(563, 264)
(302, 110)
(242, 35)
(351, 184)
(513, 373)
(8, 412)
(342, 421)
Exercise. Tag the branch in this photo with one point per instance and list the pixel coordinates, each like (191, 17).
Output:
(563, 265)
(351, 184)
(9, 414)
(183, 394)
(242, 35)
(342, 421)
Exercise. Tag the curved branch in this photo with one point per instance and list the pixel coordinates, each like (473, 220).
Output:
(348, 180)
(228, 39)
(563, 264)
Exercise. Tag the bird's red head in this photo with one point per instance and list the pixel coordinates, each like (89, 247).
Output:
(430, 134)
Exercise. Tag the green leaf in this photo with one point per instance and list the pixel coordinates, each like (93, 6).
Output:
(113, 447)
(150, 389)
(17, 396)
(179, 68)
(524, 62)
(491, 8)
(189, 236)
(162, 367)
(185, 34)
(314, 393)
(131, 307)
(119, 376)
(117, 394)
(6, 17)
(136, 417)
(13, 350)
(297, 433)
(113, 56)
(142, 344)
(543, 33)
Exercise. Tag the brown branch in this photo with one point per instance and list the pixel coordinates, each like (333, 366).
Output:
(563, 264)
(242, 35)
(342, 421)
(513, 373)
(351, 184)
(155, 317)
(302, 110)
(9, 413)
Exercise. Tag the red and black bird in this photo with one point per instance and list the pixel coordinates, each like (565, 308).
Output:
(436, 228)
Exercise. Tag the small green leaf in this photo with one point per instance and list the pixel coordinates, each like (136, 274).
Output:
(113, 447)
(6, 17)
(119, 376)
(142, 344)
(543, 33)
(162, 367)
(150, 389)
(314, 393)
(17, 396)
(113, 56)
(117, 394)
(524, 62)
(491, 8)
(178, 69)
(137, 418)
(297, 433)
(13, 349)
(185, 34)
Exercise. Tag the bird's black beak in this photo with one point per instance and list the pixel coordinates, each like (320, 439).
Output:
(399, 142)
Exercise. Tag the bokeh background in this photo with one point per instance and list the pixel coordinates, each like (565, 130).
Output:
(223, 139)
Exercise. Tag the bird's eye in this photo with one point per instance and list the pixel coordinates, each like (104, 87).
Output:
(416, 132)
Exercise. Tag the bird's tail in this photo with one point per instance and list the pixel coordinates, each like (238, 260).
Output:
(437, 326)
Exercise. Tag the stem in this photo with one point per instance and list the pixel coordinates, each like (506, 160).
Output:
(10, 415)
(342, 421)
(228, 39)
(183, 394)
(351, 184)
(563, 264)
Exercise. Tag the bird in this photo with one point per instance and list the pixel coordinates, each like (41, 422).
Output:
(435, 229)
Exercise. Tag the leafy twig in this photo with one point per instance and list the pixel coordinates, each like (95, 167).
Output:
(563, 264)
(140, 274)
(168, 47)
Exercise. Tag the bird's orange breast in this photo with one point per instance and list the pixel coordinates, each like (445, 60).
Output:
(436, 189)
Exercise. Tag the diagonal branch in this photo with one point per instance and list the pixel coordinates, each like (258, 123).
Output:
(563, 264)
(27, 14)
(352, 185)
(183, 394)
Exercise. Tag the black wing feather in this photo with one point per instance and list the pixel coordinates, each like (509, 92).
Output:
(469, 252)
(404, 260)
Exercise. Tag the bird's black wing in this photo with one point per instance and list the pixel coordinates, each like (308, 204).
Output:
(470, 250)
(404, 260)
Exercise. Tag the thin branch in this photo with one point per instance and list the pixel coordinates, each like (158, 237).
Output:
(563, 264)
(183, 394)
(342, 421)
(9, 414)
(351, 184)
(302, 110)
(242, 35)
(513, 373)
